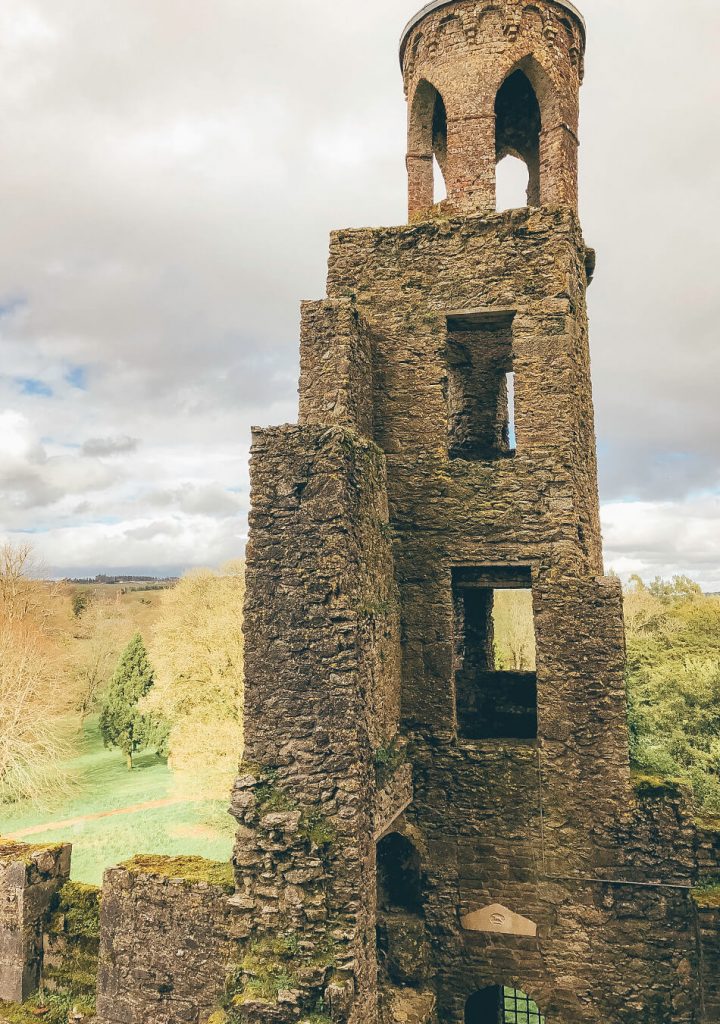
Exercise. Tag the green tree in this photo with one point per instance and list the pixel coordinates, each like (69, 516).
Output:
(122, 723)
(673, 675)
(197, 648)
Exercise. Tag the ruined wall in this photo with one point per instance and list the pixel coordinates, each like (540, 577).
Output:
(708, 924)
(322, 698)
(549, 829)
(167, 941)
(71, 941)
(30, 877)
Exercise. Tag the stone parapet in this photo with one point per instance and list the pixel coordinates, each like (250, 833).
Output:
(30, 877)
(167, 941)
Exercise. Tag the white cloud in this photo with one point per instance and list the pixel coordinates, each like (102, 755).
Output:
(665, 539)
(169, 179)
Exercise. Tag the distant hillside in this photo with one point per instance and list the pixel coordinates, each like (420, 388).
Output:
(102, 580)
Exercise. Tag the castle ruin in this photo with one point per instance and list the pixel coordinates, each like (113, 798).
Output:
(424, 835)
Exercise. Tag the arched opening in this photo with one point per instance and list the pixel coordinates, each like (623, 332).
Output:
(402, 949)
(398, 874)
(502, 1005)
(517, 134)
(511, 183)
(427, 147)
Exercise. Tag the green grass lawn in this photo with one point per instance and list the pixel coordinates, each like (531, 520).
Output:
(102, 783)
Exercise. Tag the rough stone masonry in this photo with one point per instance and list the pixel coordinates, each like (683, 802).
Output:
(424, 835)
(441, 840)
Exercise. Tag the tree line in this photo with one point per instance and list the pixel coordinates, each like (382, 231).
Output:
(165, 674)
(170, 677)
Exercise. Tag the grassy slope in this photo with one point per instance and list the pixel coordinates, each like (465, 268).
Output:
(104, 784)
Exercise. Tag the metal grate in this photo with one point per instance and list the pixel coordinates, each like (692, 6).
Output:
(519, 1008)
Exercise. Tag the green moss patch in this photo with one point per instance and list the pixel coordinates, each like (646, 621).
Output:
(707, 895)
(12, 850)
(189, 869)
(58, 1007)
(78, 909)
(387, 761)
(710, 823)
(654, 787)
(269, 797)
(318, 829)
(271, 966)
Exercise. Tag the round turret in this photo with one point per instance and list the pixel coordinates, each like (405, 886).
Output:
(484, 80)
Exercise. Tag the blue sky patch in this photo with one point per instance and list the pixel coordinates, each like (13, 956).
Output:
(76, 377)
(33, 386)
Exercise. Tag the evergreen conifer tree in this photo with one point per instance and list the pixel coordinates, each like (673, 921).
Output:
(122, 723)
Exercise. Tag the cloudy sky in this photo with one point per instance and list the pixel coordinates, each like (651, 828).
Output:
(169, 175)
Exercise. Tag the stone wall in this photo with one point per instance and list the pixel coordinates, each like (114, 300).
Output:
(322, 669)
(467, 50)
(167, 941)
(708, 916)
(30, 877)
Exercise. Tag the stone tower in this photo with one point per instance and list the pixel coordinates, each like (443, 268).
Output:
(428, 834)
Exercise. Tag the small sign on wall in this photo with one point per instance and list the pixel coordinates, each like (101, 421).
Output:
(498, 919)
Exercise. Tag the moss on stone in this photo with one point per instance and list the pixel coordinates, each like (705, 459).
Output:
(271, 966)
(710, 823)
(192, 870)
(77, 974)
(79, 907)
(387, 761)
(58, 1006)
(318, 829)
(654, 787)
(10, 849)
(269, 797)
(707, 895)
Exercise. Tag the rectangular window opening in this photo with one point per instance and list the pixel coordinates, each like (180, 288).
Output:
(480, 385)
(495, 654)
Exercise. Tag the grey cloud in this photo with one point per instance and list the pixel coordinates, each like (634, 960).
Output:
(174, 177)
(99, 447)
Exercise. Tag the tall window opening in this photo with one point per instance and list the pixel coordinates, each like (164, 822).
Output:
(517, 134)
(495, 665)
(427, 147)
(481, 386)
(398, 874)
(502, 1005)
(402, 949)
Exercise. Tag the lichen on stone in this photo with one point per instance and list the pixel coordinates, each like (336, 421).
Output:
(192, 870)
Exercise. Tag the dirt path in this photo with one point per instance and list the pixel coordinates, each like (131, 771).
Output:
(56, 826)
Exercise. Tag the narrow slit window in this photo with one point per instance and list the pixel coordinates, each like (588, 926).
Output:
(510, 388)
(439, 188)
(495, 654)
(480, 385)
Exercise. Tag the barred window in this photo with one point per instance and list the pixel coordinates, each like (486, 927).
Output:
(519, 1008)
(502, 1005)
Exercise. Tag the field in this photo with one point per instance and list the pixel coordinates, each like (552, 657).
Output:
(106, 816)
